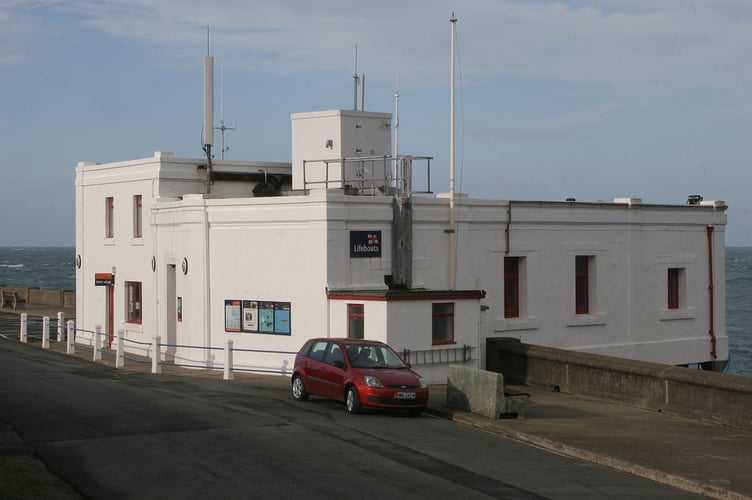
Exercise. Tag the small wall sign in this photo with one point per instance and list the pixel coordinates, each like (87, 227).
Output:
(365, 244)
(104, 279)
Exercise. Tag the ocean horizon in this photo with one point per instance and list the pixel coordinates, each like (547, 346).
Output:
(53, 268)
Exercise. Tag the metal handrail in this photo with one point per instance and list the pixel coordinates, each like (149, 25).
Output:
(388, 175)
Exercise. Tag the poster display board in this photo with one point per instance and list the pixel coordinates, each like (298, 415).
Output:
(257, 316)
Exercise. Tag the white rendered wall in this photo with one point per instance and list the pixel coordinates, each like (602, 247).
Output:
(336, 134)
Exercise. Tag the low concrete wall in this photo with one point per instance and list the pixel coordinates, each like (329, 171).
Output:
(46, 297)
(476, 391)
(703, 395)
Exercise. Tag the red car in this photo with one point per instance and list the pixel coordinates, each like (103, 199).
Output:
(362, 373)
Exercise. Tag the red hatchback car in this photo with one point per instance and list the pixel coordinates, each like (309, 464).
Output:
(362, 373)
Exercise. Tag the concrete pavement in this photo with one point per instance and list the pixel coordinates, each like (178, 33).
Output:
(707, 459)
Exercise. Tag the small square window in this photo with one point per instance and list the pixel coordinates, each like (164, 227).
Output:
(442, 329)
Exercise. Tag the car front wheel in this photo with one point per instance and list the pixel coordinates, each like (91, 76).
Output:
(352, 400)
(298, 388)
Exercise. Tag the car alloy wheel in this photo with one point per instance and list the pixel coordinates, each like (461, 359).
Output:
(298, 388)
(352, 400)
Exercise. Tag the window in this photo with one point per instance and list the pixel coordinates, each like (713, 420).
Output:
(582, 284)
(137, 216)
(318, 349)
(511, 287)
(133, 301)
(109, 217)
(442, 328)
(355, 321)
(675, 280)
(335, 355)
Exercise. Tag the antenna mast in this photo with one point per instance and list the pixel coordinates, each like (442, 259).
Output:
(360, 81)
(208, 111)
(222, 126)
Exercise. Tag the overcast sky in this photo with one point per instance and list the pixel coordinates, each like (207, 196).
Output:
(556, 99)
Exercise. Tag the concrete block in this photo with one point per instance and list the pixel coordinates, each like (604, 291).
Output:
(476, 391)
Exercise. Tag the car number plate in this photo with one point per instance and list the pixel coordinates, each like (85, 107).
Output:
(404, 395)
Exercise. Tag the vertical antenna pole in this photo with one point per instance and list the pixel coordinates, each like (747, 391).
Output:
(452, 222)
(356, 81)
(208, 111)
(396, 138)
(362, 92)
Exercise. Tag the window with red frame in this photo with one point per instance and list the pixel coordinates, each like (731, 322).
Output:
(511, 287)
(137, 216)
(442, 327)
(673, 288)
(582, 284)
(133, 311)
(109, 217)
(355, 321)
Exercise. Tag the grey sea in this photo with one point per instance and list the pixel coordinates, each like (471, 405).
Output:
(53, 268)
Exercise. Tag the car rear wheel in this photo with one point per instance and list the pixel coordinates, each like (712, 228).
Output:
(298, 388)
(352, 400)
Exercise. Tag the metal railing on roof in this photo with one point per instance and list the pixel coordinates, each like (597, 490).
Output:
(368, 175)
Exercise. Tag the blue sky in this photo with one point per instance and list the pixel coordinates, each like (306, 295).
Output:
(556, 99)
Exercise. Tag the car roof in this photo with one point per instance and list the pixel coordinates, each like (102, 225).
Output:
(349, 341)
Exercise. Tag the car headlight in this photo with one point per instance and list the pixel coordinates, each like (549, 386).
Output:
(372, 381)
(422, 382)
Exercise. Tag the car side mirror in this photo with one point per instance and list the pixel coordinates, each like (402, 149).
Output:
(339, 364)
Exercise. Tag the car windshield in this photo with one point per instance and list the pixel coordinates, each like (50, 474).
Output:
(373, 356)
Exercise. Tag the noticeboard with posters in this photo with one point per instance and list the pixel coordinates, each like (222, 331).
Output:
(257, 316)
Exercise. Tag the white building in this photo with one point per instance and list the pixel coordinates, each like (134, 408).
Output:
(341, 243)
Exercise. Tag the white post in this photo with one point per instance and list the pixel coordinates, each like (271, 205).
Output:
(46, 332)
(60, 321)
(155, 366)
(119, 358)
(24, 328)
(228, 361)
(98, 343)
(71, 347)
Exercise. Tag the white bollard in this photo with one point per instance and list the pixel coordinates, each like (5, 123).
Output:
(46, 332)
(97, 343)
(228, 375)
(60, 321)
(119, 358)
(155, 366)
(24, 328)
(71, 347)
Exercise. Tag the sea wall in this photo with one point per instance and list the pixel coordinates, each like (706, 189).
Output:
(32, 295)
(703, 395)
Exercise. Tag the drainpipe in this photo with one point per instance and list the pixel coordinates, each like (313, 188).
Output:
(711, 293)
(506, 229)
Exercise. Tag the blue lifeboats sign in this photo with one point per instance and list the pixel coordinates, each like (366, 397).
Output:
(365, 244)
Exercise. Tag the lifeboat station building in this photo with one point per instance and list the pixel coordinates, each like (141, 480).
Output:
(349, 241)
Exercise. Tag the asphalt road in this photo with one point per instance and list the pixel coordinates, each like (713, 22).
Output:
(106, 433)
